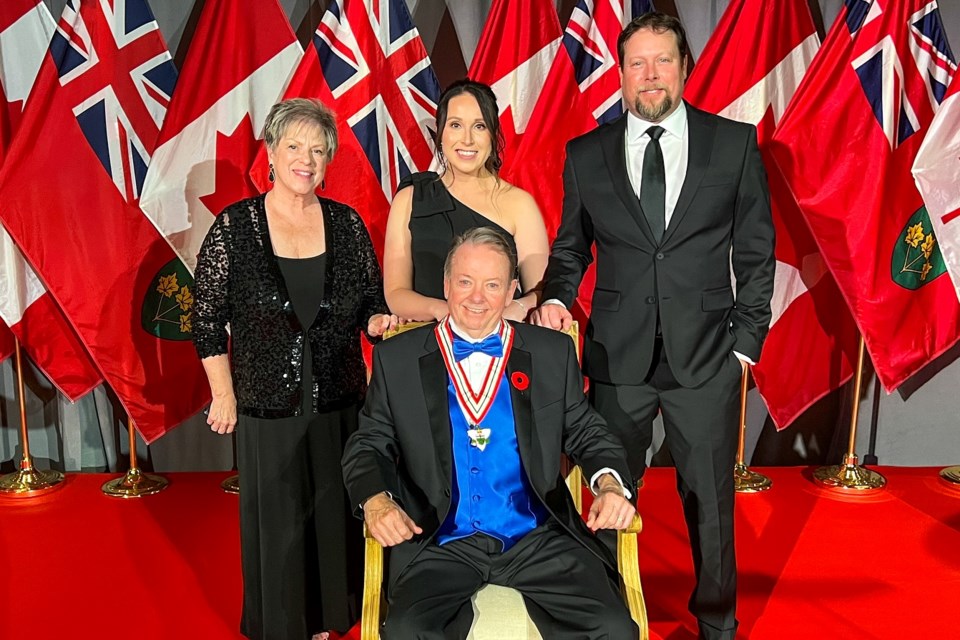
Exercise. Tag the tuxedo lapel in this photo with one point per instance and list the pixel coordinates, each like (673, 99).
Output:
(615, 155)
(700, 132)
(433, 379)
(520, 369)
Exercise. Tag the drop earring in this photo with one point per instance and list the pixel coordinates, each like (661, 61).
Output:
(271, 176)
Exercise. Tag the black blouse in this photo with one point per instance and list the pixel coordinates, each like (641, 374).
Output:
(238, 282)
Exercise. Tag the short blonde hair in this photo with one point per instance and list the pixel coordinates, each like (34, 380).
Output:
(301, 111)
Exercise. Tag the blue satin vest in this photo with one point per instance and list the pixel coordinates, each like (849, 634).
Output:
(491, 493)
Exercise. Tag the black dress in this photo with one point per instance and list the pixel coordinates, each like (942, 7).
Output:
(436, 218)
(301, 546)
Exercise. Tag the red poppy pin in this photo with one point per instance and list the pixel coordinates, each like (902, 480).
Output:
(520, 380)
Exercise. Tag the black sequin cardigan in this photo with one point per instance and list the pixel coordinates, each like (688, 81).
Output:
(238, 283)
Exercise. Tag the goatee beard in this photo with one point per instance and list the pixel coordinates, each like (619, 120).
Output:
(653, 113)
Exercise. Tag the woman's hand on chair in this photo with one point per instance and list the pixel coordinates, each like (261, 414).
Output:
(380, 323)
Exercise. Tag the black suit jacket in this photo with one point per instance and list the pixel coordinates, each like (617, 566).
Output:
(403, 444)
(724, 206)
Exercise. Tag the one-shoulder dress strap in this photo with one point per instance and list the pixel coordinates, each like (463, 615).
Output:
(430, 196)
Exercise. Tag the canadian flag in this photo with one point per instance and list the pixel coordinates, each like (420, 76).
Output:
(241, 57)
(26, 27)
(808, 352)
(937, 174)
(518, 45)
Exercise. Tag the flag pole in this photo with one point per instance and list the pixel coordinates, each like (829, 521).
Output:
(135, 483)
(745, 480)
(29, 481)
(850, 475)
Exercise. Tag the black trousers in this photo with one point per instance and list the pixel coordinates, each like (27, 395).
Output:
(701, 430)
(567, 589)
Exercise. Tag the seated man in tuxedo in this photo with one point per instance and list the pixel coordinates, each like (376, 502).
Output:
(456, 464)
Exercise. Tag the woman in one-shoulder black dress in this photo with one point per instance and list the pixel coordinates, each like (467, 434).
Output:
(431, 209)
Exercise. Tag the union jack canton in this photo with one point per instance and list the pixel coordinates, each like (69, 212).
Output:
(117, 72)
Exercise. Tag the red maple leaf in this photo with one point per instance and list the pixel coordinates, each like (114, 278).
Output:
(235, 154)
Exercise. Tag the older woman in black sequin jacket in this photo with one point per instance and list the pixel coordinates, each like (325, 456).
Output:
(295, 277)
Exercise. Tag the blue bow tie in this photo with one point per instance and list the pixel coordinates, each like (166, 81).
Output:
(491, 345)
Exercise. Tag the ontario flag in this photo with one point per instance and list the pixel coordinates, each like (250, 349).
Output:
(368, 64)
(846, 145)
(808, 352)
(240, 59)
(26, 28)
(937, 174)
(70, 187)
(517, 47)
(583, 87)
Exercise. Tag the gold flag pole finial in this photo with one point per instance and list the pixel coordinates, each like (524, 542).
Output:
(850, 475)
(745, 480)
(134, 483)
(29, 481)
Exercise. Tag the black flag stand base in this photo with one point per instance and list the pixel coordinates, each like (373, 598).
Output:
(135, 483)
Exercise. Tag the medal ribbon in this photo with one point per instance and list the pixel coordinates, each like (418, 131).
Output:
(475, 403)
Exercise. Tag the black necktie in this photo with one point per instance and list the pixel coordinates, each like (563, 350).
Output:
(653, 184)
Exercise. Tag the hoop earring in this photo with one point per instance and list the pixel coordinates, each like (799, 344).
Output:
(323, 184)
(271, 176)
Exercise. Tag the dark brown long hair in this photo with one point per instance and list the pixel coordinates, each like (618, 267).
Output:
(487, 100)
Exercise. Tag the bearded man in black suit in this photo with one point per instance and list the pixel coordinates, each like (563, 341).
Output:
(670, 197)
(456, 464)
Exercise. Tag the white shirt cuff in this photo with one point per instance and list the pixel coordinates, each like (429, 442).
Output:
(596, 476)
(553, 301)
(743, 358)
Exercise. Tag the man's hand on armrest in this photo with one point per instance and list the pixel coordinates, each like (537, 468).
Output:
(387, 522)
(610, 509)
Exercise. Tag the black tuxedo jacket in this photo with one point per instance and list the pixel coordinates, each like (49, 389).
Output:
(722, 216)
(403, 444)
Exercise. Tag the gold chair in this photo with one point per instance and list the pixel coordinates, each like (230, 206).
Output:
(500, 610)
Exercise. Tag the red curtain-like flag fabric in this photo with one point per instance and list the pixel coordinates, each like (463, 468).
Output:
(26, 27)
(846, 145)
(71, 186)
(748, 71)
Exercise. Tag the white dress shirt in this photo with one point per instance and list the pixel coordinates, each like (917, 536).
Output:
(476, 366)
(674, 143)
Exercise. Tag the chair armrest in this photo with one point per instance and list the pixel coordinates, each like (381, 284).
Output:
(628, 564)
(372, 587)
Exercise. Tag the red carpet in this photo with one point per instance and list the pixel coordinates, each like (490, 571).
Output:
(76, 564)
